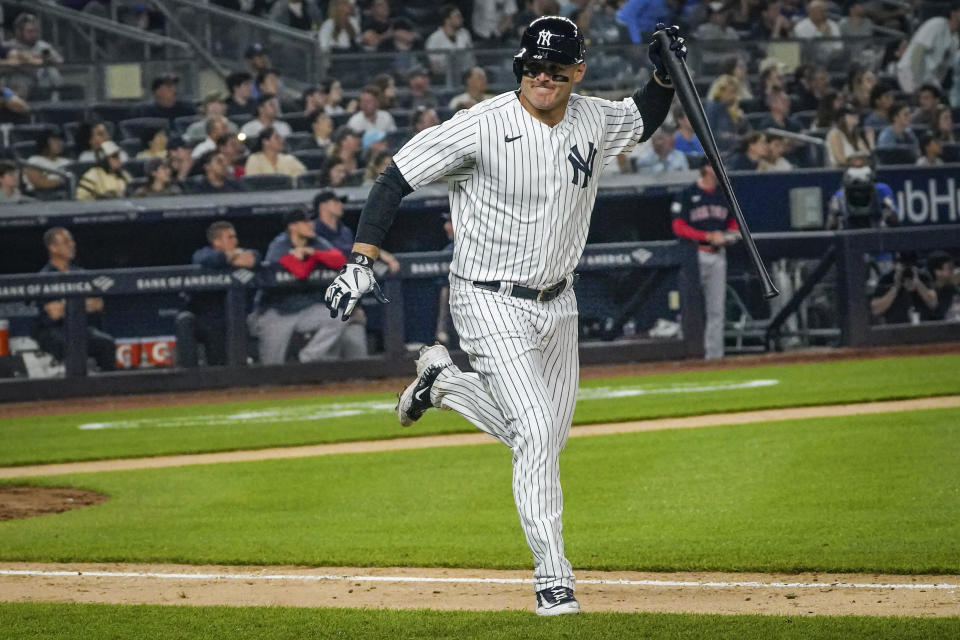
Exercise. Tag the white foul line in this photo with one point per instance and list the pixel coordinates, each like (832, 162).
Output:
(317, 578)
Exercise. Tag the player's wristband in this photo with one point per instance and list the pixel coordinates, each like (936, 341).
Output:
(361, 259)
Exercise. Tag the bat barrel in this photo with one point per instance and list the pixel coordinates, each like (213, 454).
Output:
(692, 106)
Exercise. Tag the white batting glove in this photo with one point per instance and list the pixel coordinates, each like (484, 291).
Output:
(356, 279)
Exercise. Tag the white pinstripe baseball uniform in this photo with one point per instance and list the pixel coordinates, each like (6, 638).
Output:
(521, 197)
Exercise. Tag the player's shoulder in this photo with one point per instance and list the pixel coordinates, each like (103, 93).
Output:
(499, 103)
(580, 103)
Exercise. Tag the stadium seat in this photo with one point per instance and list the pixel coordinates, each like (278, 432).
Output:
(132, 146)
(298, 140)
(115, 111)
(24, 149)
(268, 182)
(60, 113)
(296, 120)
(240, 119)
(401, 117)
(310, 180)
(136, 167)
(182, 123)
(951, 152)
(79, 168)
(340, 119)
(898, 154)
(29, 132)
(136, 127)
(805, 118)
(311, 158)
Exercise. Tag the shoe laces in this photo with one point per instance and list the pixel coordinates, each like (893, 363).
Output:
(559, 593)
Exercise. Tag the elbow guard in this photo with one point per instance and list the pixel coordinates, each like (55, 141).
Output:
(381, 206)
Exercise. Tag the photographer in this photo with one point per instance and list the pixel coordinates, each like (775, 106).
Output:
(862, 202)
(901, 294)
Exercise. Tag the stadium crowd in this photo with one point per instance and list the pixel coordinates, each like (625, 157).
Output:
(845, 95)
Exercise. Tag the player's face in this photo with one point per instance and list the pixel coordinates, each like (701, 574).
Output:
(548, 85)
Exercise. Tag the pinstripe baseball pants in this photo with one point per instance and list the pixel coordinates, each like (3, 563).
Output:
(523, 394)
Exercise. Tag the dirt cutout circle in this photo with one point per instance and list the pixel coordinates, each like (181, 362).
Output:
(27, 502)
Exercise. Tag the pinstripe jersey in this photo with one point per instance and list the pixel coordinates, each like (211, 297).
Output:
(521, 192)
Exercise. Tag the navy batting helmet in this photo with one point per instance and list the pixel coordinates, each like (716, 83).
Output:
(552, 39)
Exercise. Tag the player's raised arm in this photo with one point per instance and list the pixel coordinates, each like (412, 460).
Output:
(654, 99)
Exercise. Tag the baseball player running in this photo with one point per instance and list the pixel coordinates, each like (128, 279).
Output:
(522, 171)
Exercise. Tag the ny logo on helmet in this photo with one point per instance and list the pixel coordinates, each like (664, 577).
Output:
(579, 164)
(544, 39)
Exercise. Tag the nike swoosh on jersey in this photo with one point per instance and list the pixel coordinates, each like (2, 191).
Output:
(509, 139)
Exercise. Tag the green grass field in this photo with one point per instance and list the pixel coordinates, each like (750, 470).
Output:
(878, 493)
(96, 622)
(266, 423)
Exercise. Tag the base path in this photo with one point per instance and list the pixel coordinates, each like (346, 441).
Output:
(480, 590)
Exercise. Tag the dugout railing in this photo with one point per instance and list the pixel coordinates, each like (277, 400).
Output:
(676, 258)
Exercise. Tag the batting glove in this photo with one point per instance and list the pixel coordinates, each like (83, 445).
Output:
(655, 50)
(356, 279)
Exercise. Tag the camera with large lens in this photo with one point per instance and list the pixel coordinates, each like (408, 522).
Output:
(860, 198)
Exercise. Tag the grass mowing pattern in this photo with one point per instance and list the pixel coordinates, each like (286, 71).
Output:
(76, 622)
(57, 439)
(865, 493)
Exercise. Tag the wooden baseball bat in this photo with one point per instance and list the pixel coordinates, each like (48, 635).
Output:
(698, 120)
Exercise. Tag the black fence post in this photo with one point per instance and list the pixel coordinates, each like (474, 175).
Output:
(235, 302)
(75, 337)
(692, 320)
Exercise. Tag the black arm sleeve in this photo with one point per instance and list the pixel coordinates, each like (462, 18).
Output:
(381, 206)
(653, 101)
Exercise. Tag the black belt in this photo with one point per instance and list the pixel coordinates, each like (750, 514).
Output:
(518, 291)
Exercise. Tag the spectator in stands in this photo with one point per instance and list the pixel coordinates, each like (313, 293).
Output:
(845, 138)
(423, 118)
(724, 114)
(900, 293)
(892, 54)
(685, 140)
(778, 116)
(736, 66)
(860, 82)
(450, 36)
(49, 331)
(329, 226)
(388, 90)
(233, 153)
(334, 172)
(943, 290)
(898, 131)
(378, 162)
(930, 151)
(402, 41)
(370, 115)
(641, 16)
(312, 99)
(13, 108)
(159, 180)
(257, 61)
(827, 110)
(215, 126)
(106, 179)
(930, 52)
(321, 126)
(281, 311)
(774, 159)
(49, 156)
(216, 175)
(266, 115)
(90, 135)
(375, 25)
(213, 105)
(271, 159)
(298, 14)
(334, 92)
(475, 85)
(857, 26)
(817, 26)
(165, 103)
(752, 151)
(268, 82)
(36, 52)
(771, 76)
(881, 99)
(10, 184)
(154, 140)
(772, 25)
(929, 98)
(346, 147)
(340, 32)
(941, 126)
(598, 21)
(492, 20)
(419, 93)
(240, 87)
(811, 84)
(662, 157)
(205, 321)
(178, 153)
(716, 27)
(372, 143)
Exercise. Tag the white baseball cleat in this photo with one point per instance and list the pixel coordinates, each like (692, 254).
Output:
(556, 601)
(415, 399)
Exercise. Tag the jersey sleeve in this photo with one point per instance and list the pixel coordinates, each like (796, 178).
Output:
(623, 126)
(439, 151)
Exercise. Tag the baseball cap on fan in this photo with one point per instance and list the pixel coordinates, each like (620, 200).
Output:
(297, 214)
(254, 50)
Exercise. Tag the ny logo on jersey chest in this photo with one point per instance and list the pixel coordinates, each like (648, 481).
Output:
(579, 164)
